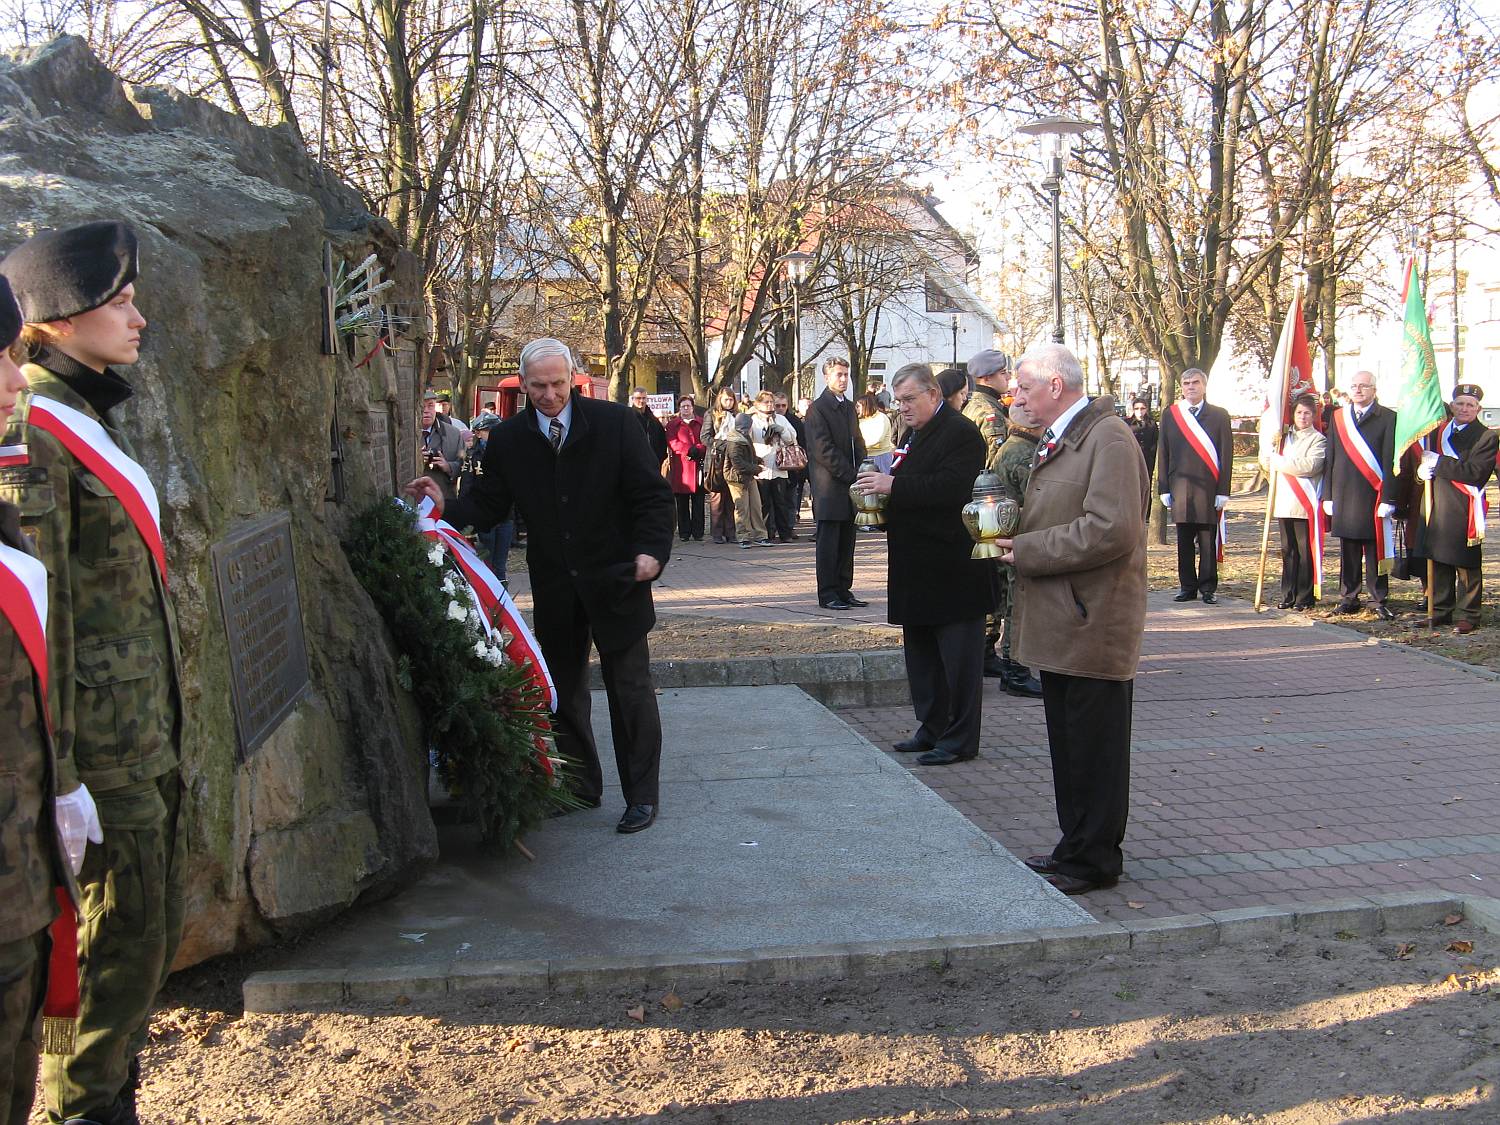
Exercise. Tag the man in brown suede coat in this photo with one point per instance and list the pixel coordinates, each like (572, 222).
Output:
(1080, 560)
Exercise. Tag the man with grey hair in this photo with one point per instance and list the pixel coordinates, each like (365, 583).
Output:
(600, 518)
(1080, 559)
(656, 433)
(1194, 465)
(936, 591)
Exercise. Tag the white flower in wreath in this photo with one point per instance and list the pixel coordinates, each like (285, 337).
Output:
(457, 612)
(436, 555)
(494, 655)
(481, 650)
(450, 587)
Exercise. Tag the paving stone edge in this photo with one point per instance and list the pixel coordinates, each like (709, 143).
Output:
(874, 677)
(1361, 916)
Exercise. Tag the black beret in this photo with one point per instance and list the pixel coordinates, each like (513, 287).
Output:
(61, 273)
(1472, 390)
(10, 315)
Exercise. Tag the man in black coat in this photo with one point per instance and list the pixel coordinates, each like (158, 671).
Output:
(1194, 465)
(1360, 490)
(1458, 459)
(938, 594)
(834, 451)
(1146, 432)
(656, 433)
(600, 517)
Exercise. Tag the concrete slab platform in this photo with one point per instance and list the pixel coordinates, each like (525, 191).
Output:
(780, 826)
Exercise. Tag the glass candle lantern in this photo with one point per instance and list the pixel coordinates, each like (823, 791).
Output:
(990, 516)
(869, 507)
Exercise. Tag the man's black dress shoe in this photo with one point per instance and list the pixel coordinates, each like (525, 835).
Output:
(1346, 607)
(1027, 686)
(1072, 885)
(1209, 599)
(936, 757)
(994, 667)
(835, 603)
(911, 746)
(637, 818)
(857, 603)
(1286, 603)
(1385, 612)
(1184, 596)
(1042, 864)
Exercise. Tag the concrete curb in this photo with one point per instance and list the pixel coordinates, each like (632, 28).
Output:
(875, 678)
(305, 989)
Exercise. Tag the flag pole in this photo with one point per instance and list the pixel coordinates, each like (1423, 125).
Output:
(1265, 541)
(1427, 546)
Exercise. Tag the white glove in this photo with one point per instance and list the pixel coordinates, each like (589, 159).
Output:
(78, 824)
(1166, 500)
(1428, 468)
(1382, 511)
(1328, 507)
(1219, 502)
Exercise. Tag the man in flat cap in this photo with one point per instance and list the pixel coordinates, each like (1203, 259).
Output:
(93, 514)
(1458, 459)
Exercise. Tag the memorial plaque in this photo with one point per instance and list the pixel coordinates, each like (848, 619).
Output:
(263, 620)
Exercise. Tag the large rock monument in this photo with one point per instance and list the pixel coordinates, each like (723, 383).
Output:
(305, 775)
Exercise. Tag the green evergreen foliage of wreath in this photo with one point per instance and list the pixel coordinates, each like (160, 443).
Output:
(480, 719)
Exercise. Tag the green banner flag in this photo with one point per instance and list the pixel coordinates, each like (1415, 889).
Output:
(1418, 401)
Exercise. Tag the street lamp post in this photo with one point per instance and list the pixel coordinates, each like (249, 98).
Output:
(795, 263)
(955, 340)
(1059, 129)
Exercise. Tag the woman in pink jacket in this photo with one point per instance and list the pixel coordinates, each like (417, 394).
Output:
(685, 451)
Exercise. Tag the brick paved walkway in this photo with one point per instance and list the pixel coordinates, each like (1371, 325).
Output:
(1380, 771)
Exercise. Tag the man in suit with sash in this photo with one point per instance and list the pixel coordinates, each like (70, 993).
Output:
(1194, 464)
(1359, 495)
(1458, 460)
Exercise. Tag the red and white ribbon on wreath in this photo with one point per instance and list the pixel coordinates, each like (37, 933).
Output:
(97, 452)
(496, 605)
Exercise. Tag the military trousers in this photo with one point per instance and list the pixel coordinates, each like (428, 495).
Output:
(23, 978)
(130, 924)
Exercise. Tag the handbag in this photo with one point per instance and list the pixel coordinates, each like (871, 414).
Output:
(789, 456)
(713, 476)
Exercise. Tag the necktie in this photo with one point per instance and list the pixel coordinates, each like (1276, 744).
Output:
(555, 434)
(1044, 450)
(1194, 410)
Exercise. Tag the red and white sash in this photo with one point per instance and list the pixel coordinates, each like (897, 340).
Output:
(13, 455)
(1203, 446)
(23, 601)
(91, 444)
(1309, 494)
(1476, 497)
(1197, 436)
(1364, 459)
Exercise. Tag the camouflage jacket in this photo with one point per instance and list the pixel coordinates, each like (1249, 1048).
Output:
(31, 855)
(985, 411)
(111, 633)
(1013, 463)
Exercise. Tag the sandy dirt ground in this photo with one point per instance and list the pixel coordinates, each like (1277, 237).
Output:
(1403, 1027)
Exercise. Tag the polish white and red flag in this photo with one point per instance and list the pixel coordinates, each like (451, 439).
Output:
(1291, 377)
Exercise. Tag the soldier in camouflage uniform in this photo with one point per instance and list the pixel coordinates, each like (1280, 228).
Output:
(1013, 466)
(989, 370)
(32, 862)
(113, 656)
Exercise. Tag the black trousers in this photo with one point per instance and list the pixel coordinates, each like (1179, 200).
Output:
(562, 629)
(834, 558)
(1088, 730)
(1456, 587)
(1198, 575)
(1296, 562)
(776, 506)
(945, 667)
(1356, 561)
(689, 514)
